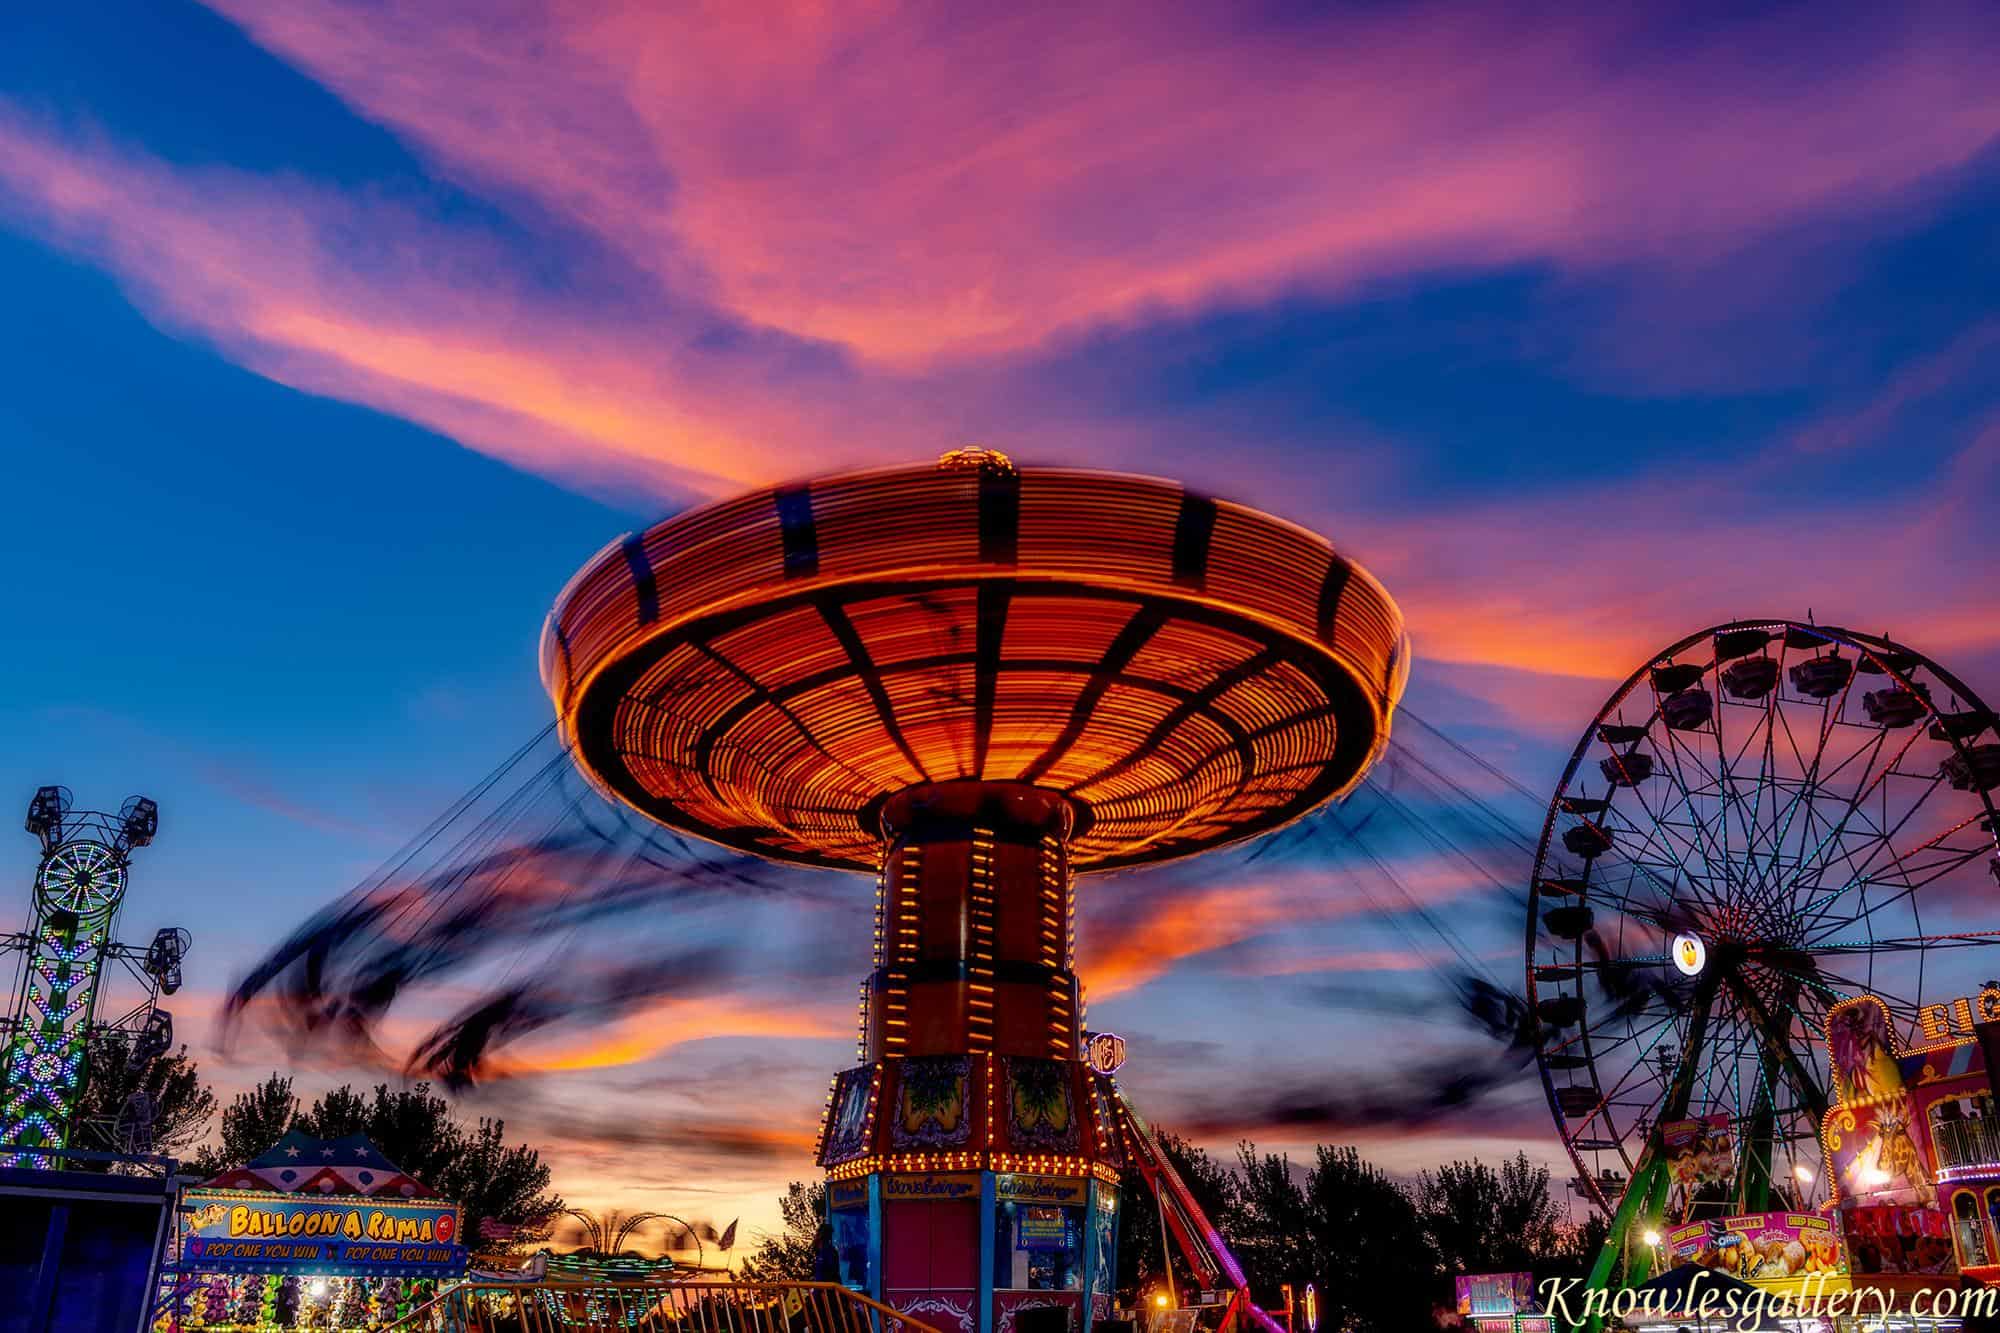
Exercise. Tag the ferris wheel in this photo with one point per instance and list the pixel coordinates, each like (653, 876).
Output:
(1764, 819)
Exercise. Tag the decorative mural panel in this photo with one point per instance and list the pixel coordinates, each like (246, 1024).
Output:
(1041, 1107)
(1864, 1063)
(932, 1109)
(939, 1309)
(1007, 1306)
(847, 1123)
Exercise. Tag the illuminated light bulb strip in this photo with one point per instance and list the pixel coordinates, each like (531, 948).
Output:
(1069, 907)
(1062, 1024)
(909, 876)
(881, 914)
(1052, 908)
(896, 1005)
(874, 1099)
(825, 1118)
(861, 1024)
(992, 1107)
(1038, 1164)
(979, 968)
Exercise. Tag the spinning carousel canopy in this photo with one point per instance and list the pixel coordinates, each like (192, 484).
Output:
(766, 671)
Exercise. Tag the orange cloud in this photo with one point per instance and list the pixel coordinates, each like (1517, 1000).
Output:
(674, 1022)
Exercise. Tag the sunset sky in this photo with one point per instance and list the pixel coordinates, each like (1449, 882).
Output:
(337, 336)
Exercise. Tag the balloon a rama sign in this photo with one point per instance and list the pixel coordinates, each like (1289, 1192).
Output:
(245, 1231)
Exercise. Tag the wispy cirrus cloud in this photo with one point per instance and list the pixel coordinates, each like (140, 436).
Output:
(913, 184)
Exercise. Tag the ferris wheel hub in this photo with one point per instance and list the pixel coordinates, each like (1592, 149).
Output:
(1690, 954)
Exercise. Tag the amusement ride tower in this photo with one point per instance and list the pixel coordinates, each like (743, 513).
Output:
(975, 681)
(50, 1035)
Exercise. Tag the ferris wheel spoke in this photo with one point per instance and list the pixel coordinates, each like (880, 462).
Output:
(1750, 882)
(1609, 1098)
(1688, 847)
(1776, 1040)
(1931, 872)
(1917, 873)
(1747, 817)
(1676, 748)
(1889, 835)
(1813, 861)
(1808, 780)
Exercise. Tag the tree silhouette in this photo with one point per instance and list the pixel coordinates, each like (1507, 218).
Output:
(179, 1105)
(469, 1163)
(788, 1255)
(1480, 1220)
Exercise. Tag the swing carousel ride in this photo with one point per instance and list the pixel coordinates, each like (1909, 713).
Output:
(975, 681)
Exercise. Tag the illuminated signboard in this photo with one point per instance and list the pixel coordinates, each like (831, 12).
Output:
(245, 1231)
(930, 1187)
(1495, 1293)
(1104, 1052)
(1690, 955)
(1039, 1189)
(1940, 1022)
(1760, 1246)
(1042, 1229)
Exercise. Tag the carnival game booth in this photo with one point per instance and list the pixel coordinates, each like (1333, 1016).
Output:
(314, 1234)
(1912, 1151)
(1499, 1303)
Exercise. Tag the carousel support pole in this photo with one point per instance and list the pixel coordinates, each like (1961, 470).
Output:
(988, 1208)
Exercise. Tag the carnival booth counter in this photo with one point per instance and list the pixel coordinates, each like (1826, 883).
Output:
(315, 1233)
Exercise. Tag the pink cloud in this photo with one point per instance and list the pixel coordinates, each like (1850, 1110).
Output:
(916, 185)
(1591, 579)
(1136, 929)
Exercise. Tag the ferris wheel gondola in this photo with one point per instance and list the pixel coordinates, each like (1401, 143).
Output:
(1764, 819)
